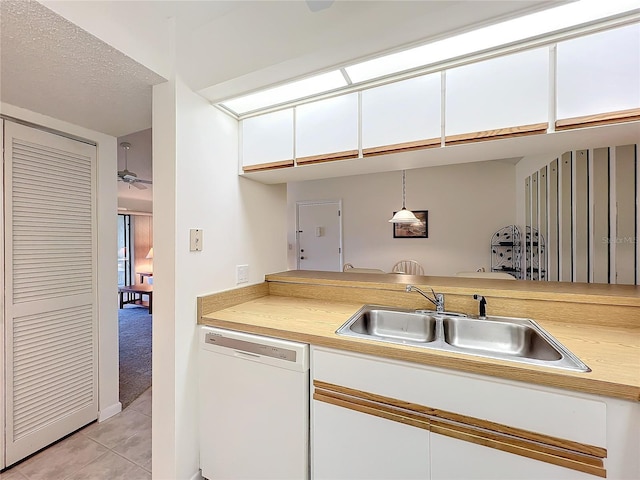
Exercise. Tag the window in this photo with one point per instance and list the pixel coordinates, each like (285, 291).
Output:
(124, 250)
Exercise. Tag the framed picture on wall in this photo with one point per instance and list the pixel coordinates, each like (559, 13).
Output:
(413, 230)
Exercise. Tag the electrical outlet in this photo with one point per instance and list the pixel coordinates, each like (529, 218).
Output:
(242, 273)
(195, 240)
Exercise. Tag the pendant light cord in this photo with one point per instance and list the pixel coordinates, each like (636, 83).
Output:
(403, 190)
(404, 215)
(126, 146)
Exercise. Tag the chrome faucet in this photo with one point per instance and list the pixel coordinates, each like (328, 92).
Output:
(437, 300)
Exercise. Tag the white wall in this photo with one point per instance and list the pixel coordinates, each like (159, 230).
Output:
(108, 402)
(196, 186)
(139, 161)
(164, 266)
(466, 204)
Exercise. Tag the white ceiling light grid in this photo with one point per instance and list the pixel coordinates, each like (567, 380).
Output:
(287, 93)
(491, 37)
(510, 31)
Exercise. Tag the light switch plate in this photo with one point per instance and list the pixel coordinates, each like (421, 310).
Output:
(242, 273)
(195, 240)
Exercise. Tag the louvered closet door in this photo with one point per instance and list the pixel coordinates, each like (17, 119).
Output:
(50, 288)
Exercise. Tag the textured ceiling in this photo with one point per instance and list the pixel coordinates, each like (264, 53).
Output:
(51, 66)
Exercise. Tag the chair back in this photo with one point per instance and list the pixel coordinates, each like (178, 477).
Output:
(365, 270)
(409, 267)
(351, 269)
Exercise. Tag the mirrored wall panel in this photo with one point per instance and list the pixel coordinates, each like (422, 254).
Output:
(581, 215)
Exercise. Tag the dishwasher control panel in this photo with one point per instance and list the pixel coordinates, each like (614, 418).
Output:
(247, 347)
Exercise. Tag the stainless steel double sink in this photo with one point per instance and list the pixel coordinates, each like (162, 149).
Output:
(516, 339)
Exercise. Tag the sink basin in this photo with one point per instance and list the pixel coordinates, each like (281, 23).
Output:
(403, 325)
(515, 339)
(512, 337)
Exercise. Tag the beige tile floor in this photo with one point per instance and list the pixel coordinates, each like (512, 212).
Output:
(116, 449)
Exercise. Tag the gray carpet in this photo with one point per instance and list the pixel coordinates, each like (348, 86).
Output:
(135, 352)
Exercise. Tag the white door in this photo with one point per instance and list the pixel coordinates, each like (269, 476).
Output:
(320, 236)
(50, 288)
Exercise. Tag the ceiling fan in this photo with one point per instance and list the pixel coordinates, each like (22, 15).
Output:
(129, 177)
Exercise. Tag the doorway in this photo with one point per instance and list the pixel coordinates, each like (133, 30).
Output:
(319, 235)
(135, 232)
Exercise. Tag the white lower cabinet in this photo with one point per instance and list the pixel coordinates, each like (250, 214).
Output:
(453, 459)
(350, 445)
(377, 418)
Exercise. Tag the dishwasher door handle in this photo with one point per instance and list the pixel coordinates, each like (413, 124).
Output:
(246, 355)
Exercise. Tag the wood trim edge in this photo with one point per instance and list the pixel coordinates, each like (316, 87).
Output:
(565, 453)
(267, 166)
(519, 443)
(371, 408)
(532, 451)
(619, 116)
(497, 134)
(402, 147)
(327, 157)
(578, 447)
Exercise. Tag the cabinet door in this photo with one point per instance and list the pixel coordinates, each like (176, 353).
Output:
(503, 96)
(267, 141)
(453, 459)
(350, 445)
(402, 115)
(550, 411)
(327, 129)
(599, 74)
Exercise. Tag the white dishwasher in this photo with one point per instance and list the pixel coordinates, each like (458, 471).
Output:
(254, 407)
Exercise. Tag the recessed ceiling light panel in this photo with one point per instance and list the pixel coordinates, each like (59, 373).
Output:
(518, 29)
(287, 93)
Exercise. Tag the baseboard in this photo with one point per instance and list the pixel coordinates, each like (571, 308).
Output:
(197, 476)
(109, 412)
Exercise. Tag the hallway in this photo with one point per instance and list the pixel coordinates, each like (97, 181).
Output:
(117, 449)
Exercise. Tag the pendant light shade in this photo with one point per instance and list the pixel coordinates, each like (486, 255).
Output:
(404, 215)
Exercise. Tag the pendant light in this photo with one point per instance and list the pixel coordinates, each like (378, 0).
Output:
(404, 215)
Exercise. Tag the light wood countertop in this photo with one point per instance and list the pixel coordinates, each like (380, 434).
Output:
(612, 354)
(600, 324)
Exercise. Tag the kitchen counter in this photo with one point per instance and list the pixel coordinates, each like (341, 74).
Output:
(281, 308)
